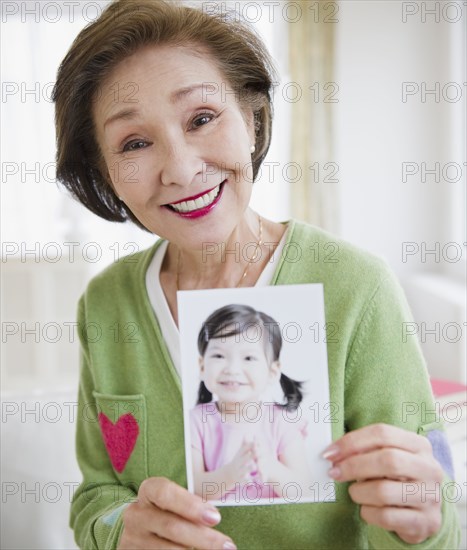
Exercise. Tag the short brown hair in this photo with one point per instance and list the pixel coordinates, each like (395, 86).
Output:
(124, 27)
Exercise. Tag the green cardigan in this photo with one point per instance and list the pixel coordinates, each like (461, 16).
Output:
(127, 374)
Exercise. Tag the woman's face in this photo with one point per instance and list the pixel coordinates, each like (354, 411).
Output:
(178, 157)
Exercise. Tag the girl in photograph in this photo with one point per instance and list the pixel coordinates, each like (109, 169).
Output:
(245, 449)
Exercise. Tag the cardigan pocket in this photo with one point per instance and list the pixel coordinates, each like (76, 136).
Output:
(122, 421)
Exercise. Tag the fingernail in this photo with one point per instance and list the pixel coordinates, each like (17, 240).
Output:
(330, 452)
(211, 516)
(334, 472)
(229, 545)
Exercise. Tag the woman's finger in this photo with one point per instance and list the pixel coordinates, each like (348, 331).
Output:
(168, 526)
(374, 437)
(385, 492)
(169, 496)
(389, 462)
(161, 525)
(412, 526)
(148, 542)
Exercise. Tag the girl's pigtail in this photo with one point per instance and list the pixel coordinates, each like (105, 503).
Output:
(204, 395)
(292, 392)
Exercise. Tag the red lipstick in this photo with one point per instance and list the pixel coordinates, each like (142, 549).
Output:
(203, 211)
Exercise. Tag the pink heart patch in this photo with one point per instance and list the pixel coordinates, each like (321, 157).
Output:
(119, 438)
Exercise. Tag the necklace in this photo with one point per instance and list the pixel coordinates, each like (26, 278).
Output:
(259, 242)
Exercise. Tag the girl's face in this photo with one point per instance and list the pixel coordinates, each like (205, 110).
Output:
(176, 144)
(237, 370)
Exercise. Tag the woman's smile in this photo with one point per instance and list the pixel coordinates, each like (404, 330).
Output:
(198, 205)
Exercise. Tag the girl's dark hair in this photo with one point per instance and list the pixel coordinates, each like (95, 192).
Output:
(236, 319)
(123, 28)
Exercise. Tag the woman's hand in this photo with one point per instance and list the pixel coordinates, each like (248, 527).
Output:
(168, 516)
(397, 481)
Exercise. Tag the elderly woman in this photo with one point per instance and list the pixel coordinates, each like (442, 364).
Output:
(163, 118)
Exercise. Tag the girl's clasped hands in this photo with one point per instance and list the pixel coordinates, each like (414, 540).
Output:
(249, 464)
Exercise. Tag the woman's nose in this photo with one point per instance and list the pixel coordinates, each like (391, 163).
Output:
(180, 163)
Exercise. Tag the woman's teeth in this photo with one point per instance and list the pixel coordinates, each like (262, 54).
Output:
(200, 202)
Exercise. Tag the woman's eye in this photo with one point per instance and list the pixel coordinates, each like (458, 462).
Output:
(250, 358)
(203, 117)
(134, 145)
(217, 356)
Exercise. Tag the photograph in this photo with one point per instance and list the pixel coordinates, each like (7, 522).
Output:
(255, 380)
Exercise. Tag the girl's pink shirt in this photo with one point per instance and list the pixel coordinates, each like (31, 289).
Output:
(218, 440)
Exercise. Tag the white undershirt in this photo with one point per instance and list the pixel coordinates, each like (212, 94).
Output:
(160, 306)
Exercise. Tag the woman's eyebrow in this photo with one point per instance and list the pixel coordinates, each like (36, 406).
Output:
(180, 94)
(124, 114)
(175, 97)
